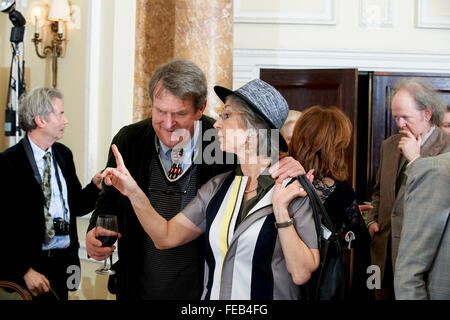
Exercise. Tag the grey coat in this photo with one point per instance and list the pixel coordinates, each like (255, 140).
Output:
(422, 269)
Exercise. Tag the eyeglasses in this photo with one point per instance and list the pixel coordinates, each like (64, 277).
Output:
(227, 114)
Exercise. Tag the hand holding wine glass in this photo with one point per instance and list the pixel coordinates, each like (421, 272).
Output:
(106, 231)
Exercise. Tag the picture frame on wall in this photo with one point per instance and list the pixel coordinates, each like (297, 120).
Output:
(376, 13)
(433, 14)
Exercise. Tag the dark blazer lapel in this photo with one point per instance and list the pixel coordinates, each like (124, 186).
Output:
(29, 185)
(27, 170)
(148, 148)
(398, 160)
(390, 175)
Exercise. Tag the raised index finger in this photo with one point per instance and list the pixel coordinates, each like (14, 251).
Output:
(117, 155)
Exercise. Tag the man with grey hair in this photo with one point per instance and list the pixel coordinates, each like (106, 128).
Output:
(417, 112)
(41, 198)
(162, 154)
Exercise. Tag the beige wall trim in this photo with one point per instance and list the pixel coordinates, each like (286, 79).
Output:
(248, 62)
(92, 89)
(109, 77)
(326, 16)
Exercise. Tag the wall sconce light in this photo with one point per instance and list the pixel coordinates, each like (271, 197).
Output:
(59, 13)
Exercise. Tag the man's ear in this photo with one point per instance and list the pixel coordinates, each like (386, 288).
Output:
(428, 113)
(200, 111)
(40, 121)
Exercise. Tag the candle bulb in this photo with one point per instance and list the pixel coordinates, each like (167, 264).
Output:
(60, 27)
(36, 25)
(37, 14)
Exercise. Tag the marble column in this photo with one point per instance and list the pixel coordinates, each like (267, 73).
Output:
(198, 30)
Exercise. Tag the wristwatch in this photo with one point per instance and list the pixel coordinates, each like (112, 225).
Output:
(285, 224)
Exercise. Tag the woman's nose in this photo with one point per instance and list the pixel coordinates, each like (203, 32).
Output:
(218, 123)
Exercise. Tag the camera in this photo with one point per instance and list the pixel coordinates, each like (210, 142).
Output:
(61, 226)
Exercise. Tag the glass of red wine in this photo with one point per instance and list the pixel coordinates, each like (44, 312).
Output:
(106, 231)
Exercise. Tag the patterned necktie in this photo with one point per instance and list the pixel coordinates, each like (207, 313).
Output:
(47, 190)
(175, 170)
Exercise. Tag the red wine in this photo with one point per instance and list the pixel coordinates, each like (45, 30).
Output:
(107, 241)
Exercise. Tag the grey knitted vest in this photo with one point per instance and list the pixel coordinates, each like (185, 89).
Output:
(175, 273)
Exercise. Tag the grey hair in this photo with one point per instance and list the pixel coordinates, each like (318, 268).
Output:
(183, 79)
(38, 101)
(256, 123)
(425, 96)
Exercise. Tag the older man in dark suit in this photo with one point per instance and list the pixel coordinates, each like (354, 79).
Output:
(422, 267)
(417, 112)
(41, 197)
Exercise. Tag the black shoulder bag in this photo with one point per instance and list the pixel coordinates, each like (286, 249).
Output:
(328, 281)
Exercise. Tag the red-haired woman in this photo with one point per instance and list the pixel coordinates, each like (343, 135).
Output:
(320, 138)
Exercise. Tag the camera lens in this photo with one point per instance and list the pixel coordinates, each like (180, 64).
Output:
(61, 226)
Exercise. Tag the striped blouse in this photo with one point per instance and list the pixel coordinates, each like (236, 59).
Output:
(246, 262)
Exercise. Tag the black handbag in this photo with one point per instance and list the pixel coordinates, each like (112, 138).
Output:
(328, 282)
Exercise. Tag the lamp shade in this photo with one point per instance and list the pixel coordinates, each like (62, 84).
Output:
(59, 10)
(5, 5)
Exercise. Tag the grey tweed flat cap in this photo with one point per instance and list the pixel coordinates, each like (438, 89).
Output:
(264, 99)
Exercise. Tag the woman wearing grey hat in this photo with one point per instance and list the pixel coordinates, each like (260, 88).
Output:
(260, 235)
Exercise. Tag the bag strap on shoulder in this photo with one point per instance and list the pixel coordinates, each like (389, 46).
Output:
(320, 213)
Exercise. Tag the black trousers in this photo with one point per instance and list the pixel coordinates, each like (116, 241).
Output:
(53, 265)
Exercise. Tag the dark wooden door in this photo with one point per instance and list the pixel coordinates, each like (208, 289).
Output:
(382, 122)
(331, 87)
(365, 97)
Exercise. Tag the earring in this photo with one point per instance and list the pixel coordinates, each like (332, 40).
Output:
(251, 135)
(247, 146)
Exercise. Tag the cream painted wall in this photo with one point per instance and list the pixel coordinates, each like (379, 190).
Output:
(105, 83)
(347, 34)
(116, 72)
(72, 78)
